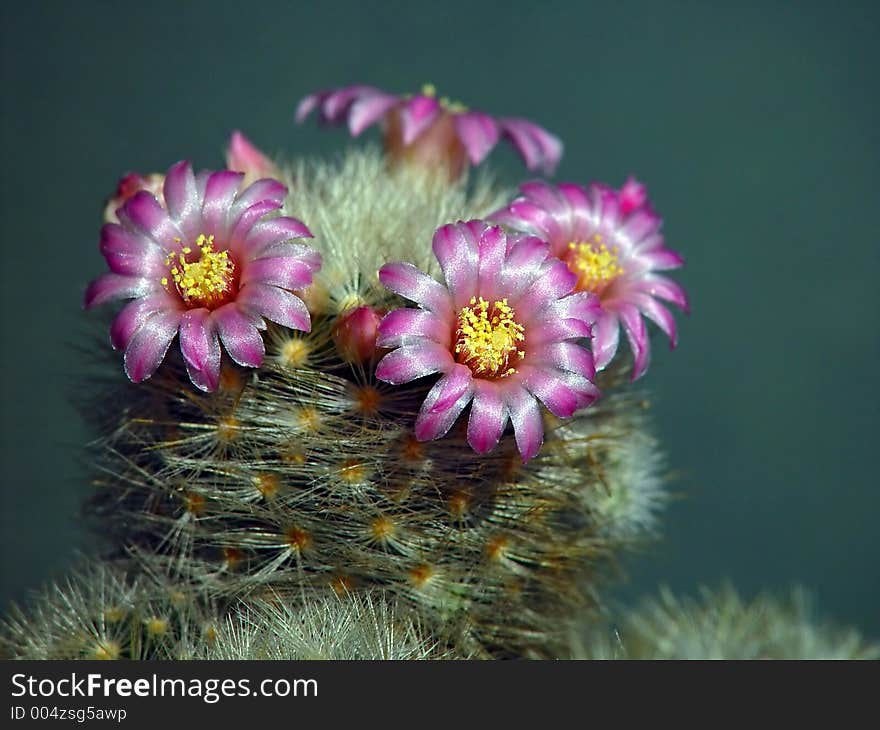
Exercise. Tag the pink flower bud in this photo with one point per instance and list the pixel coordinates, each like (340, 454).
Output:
(243, 156)
(133, 183)
(355, 334)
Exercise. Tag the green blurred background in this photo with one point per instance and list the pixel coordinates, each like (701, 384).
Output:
(755, 126)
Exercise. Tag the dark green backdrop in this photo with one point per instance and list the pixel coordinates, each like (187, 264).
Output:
(755, 125)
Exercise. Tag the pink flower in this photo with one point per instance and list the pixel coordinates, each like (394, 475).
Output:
(503, 332)
(206, 263)
(430, 131)
(611, 240)
(243, 156)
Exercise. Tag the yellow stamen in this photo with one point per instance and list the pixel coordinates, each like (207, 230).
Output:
(454, 107)
(595, 264)
(205, 281)
(488, 337)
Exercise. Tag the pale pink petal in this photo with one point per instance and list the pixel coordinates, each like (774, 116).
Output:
(633, 195)
(135, 313)
(671, 291)
(444, 403)
(416, 115)
(524, 261)
(288, 272)
(554, 281)
(606, 334)
(241, 226)
(585, 390)
(412, 362)
(147, 347)
(492, 252)
(110, 286)
(525, 416)
(129, 253)
(488, 417)
(267, 233)
(220, 192)
(200, 348)
(538, 148)
(306, 106)
(478, 133)
(565, 356)
(634, 326)
(658, 314)
(143, 214)
(369, 109)
(457, 249)
(408, 326)
(277, 305)
(662, 259)
(243, 156)
(407, 281)
(551, 390)
(182, 197)
(239, 335)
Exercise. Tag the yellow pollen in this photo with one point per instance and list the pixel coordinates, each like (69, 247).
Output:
(595, 264)
(454, 107)
(202, 282)
(488, 337)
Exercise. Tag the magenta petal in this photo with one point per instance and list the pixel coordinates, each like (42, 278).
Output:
(585, 391)
(408, 326)
(129, 253)
(456, 248)
(538, 148)
(407, 281)
(416, 116)
(524, 260)
(552, 392)
(662, 259)
(492, 252)
(658, 314)
(110, 286)
(182, 196)
(634, 326)
(220, 192)
(444, 403)
(200, 348)
(148, 346)
(478, 133)
(240, 336)
(547, 197)
(243, 156)
(288, 272)
(606, 334)
(566, 356)
(640, 225)
(277, 305)
(555, 281)
(660, 286)
(306, 106)
(239, 228)
(368, 110)
(412, 362)
(528, 426)
(143, 214)
(488, 417)
(270, 232)
(133, 316)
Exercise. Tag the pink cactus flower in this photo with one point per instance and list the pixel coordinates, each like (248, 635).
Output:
(504, 332)
(432, 132)
(132, 183)
(611, 240)
(243, 156)
(205, 263)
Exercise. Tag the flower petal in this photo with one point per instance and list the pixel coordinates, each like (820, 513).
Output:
(288, 272)
(457, 249)
(538, 148)
(444, 403)
(277, 305)
(267, 233)
(478, 133)
(134, 314)
(200, 348)
(110, 286)
(606, 334)
(416, 115)
(147, 348)
(369, 109)
(637, 334)
(671, 291)
(528, 426)
(182, 197)
(407, 281)
(413, 361)
(220, 192)
(240, 336)
(658, 314)
(488, 417)
(143, 214)
(566, 356)
(551, 390)
(409, 326)
(129, 253)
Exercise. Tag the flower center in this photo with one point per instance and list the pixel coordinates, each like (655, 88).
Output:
(487, 338)
(593, 262)
(453, 107)
(206, 281)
